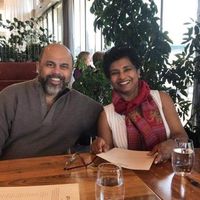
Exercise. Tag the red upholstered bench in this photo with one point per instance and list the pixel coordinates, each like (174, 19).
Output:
(15, 72)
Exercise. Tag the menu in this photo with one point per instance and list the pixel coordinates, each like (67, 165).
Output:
(137, 160)
(44, 192)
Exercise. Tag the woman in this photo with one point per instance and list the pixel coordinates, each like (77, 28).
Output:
(138, 118)
(83, 61)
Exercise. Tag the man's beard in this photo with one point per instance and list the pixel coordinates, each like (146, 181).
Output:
(51, 89)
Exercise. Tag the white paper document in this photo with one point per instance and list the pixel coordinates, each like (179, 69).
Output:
(137, 160)
(46, 192)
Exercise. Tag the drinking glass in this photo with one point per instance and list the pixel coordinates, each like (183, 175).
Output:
(183, 157)
(109, 183)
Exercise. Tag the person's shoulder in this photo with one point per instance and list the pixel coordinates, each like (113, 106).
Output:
(78, 94)
(161, 93)
(165, 97)
(17, 88)
(83, 98)
(164, 94)
(15, 91)
(109, 107)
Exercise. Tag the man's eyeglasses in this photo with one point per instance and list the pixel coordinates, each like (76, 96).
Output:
(72, 164)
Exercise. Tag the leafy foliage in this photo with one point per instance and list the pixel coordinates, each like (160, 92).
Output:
(93, 83)
(134, 23)
(189, 62)
(25, 40)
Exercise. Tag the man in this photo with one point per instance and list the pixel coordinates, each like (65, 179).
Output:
(42, 116)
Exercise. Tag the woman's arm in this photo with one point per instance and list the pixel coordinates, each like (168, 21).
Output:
(165, 148)
(104, 141)
(172, 118)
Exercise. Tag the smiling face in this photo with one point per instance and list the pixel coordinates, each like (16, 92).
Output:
(55, 69)
(124, 78)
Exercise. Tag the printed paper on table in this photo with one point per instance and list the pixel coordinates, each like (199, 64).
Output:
(44, 192)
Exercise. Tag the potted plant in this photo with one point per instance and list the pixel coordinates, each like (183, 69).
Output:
(20, 50)
(189, 60)
(93, 83)
(134, 24)
(24, 42)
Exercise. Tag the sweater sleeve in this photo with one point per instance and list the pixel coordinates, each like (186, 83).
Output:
(6, 116)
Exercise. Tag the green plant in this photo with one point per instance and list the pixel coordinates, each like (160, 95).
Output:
(190, 59)
(25, 40)
(134, 23)
(93, 83)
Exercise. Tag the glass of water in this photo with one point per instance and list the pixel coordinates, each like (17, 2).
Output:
(109, 183)
(183, 157)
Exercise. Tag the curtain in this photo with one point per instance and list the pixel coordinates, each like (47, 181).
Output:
(21, 9)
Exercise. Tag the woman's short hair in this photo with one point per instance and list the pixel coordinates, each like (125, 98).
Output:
(116, 53)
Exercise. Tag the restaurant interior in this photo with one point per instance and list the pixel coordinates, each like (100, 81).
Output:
(71, 23)
(26, 26)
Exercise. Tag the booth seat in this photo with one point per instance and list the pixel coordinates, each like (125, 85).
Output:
(15, 72)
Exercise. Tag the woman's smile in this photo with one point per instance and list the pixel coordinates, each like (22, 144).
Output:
(124, 77)
(124, 82)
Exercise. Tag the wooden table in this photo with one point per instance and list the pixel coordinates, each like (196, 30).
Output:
(169, 186)
(49, 170)
(157, 183)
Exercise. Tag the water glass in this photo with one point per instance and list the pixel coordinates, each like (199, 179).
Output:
(183, 157)
(109, 183)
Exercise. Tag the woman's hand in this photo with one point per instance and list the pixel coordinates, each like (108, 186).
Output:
(99, 145)
(163, 151)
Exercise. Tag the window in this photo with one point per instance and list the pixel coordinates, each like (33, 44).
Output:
(84, 36)
(79, 30)
(52, 20)
(174, 14)
(57, 23)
